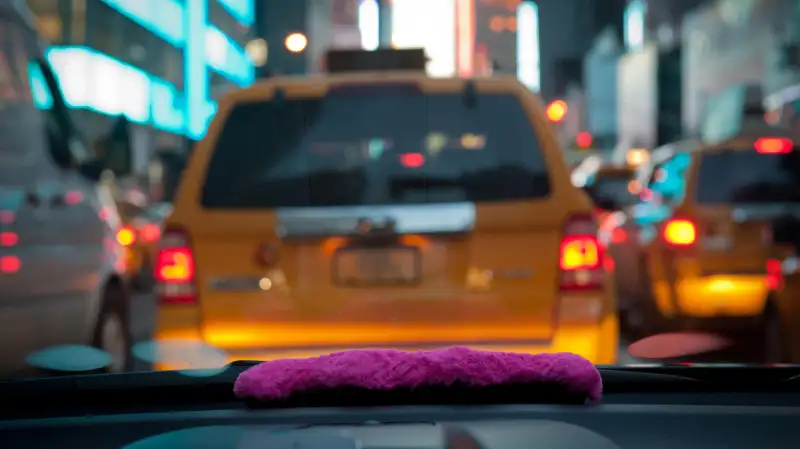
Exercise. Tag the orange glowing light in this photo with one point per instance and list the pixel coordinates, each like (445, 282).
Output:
(556, 111)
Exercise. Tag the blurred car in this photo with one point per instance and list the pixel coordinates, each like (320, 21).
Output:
(709, 261)
(61, 275)
(363, 209)
(610, 187)
(139, 236)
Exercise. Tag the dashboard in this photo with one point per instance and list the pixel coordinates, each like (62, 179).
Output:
(606, 426)
(638, 411)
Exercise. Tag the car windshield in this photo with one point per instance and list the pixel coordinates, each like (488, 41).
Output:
(217, 180)
(392, 146)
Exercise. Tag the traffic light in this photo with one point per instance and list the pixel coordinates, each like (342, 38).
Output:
(556, 111)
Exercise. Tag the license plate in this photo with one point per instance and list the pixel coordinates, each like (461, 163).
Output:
(377, 266)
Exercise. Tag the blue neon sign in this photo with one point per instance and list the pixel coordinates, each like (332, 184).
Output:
(140, 96)
(242, 10)
(125, 90)
(167, 20)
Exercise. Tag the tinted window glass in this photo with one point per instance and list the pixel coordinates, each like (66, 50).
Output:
(378, 147)
(613, 186)
(749, 177)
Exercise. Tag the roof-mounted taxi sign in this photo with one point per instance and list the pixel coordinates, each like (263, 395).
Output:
(381, 60)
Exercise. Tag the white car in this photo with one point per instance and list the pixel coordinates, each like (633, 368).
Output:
(61, 280)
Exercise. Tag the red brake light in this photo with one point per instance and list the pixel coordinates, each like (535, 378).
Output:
(126, 236)
(770, 145)
(579, 252)
(774, 278)
(680, 232)
(175, 269)
(150, 233)
(581, 256)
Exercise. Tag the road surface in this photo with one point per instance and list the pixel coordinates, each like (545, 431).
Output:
(143, 311)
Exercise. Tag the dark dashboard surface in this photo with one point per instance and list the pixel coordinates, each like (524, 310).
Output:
(673, 412)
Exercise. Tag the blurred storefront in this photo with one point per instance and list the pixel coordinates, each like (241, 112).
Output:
(161, 63)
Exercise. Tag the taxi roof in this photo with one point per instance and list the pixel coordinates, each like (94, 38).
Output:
(380, 66)
(371, 77)
(615, 169)
(746, 140)
(750, 131)
(318, 85)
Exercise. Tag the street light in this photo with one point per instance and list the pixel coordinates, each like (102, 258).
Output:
(296, 42)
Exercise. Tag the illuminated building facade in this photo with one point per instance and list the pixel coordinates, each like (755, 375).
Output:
(161, 63)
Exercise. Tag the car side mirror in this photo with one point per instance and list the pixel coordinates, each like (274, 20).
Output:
(115, 150)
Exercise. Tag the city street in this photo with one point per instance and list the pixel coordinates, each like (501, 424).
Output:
(143, 309)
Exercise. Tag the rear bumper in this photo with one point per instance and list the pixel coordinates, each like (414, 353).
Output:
(597, 343)
(725, 298)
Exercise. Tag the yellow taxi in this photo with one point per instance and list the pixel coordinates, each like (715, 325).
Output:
(708, 257)
(365, 209)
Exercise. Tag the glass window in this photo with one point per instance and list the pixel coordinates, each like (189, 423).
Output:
(373, 147)
(743, 177)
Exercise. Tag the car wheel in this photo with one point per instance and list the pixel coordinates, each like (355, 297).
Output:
(112, 333)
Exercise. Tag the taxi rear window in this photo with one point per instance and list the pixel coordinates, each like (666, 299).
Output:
(375, 147)
(745, 177)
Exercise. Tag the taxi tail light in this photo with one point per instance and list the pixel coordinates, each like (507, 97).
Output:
(680, 232)
(774, 277)
(175, 268)
(581, 256)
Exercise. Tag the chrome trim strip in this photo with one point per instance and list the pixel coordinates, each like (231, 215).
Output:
(408, 219)
(235, 284)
